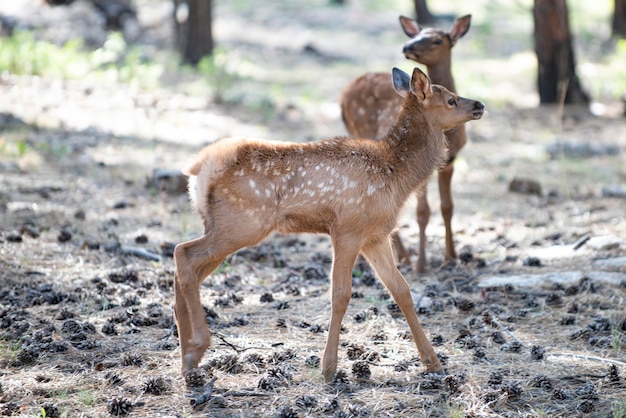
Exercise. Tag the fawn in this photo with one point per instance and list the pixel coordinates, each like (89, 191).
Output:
(353, 190)
(369, 106)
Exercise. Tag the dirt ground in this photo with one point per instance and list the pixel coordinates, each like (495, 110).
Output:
(531, 321)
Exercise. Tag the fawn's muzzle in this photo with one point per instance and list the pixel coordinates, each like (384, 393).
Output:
(478, 110)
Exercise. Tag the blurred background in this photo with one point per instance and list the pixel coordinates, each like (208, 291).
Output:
(103, 101)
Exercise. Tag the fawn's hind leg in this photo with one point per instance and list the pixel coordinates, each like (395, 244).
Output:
(191, 269)
(195, 260)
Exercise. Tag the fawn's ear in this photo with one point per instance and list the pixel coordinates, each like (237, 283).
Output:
(460, 28)
(420, 85)
(410, 26)
(401, 82)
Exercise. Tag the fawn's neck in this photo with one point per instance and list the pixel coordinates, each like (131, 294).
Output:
(416, 147)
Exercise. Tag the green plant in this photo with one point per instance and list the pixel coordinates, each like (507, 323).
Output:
(127, 64)
(456, 412)
(55, 151)
(13, 148)
(215, 68)
(86, 397)
(224, 268)
(9, 349)
(616, 339)
(23, 54)
(618, 409)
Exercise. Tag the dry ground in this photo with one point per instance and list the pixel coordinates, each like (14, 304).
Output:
(86, 324)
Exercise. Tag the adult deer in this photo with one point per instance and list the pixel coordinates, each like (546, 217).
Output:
(350, 189)
(369, 106)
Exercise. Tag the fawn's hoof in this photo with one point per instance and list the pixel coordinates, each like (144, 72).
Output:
(434, 367)
(329, 374)
(191, 361)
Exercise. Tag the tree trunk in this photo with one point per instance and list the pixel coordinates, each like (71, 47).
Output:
(194, 36)
(555, 56)
(423, 15)
(619, 19)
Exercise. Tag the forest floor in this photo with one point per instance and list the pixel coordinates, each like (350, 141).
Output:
(531, 321)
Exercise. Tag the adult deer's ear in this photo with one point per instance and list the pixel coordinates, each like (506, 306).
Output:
(420, 85)
(401, 81)
(410, 26)
(460, 28)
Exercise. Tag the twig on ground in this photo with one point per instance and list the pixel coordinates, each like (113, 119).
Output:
(582, 240)
(243, 394)
(140, 252)
(234, 347)
(492, 319)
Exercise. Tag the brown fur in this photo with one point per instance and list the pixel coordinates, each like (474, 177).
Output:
(350, 189)
(369, 107)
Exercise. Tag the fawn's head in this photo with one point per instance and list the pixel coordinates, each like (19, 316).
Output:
(444, 109)
(430, 46)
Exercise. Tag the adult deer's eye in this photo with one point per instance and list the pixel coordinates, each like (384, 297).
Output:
(437, 41)
(451, 102)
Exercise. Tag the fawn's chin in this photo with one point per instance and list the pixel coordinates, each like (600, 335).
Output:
(477, 115)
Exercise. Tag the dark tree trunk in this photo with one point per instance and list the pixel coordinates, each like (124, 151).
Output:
(423, 15)
(619, 19)
(555, 56)
(194, 36)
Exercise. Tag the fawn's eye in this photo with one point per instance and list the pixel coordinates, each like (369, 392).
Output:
(437, 41)
(451, 102)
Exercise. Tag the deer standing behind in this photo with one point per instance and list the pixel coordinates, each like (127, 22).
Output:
(350, 189)
(369, 106)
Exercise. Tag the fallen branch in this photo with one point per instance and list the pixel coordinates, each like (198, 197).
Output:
(586, 357)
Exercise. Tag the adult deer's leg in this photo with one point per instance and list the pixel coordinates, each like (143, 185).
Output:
(345, 251)
(423, 215)
(404, 256)
(447, 206)
(380, 257)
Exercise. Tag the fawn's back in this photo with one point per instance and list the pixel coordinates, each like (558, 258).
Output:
(297, 187)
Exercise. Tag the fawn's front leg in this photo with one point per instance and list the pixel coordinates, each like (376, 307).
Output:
(345, 253)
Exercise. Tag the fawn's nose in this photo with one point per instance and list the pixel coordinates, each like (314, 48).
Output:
(478, 110)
